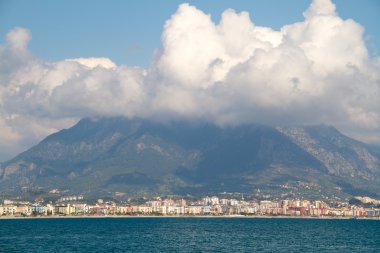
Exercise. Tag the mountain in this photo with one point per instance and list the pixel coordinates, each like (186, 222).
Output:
(124, 157)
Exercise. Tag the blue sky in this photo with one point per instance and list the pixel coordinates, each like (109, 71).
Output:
(128, 32)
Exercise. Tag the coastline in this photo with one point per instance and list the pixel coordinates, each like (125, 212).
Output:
(187, 216)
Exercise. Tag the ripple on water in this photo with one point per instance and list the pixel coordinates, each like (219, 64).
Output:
(189, 235)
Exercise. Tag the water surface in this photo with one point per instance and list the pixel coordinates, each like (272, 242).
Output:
(189, 235)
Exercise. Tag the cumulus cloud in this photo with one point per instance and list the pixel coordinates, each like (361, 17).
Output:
(314, 71)
(94, 62)
(38, 97)
(232, 72)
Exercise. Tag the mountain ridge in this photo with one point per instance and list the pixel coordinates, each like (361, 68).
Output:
(141, 157)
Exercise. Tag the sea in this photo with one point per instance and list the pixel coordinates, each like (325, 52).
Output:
(189, 235)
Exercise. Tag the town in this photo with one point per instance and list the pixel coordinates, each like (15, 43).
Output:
(206, 206)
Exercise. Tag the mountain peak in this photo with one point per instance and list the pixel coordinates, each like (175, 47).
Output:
(141, 157)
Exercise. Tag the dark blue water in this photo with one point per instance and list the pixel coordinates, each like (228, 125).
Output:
(188, 235)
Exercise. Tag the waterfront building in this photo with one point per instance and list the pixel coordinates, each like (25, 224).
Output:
(223, 201)
(38, 209)
(194, 209)
(9, 210)
(233, 202)
(49, 209)
(215, 206)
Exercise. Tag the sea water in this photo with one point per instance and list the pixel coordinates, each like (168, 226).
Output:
(189, 235)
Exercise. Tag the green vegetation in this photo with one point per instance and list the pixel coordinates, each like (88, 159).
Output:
(118, 158)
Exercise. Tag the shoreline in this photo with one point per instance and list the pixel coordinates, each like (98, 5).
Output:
(187, 216)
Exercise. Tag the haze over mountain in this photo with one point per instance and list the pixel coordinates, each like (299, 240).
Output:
(117, 156)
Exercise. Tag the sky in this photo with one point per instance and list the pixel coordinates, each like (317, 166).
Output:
(226, 62)
(128, 32)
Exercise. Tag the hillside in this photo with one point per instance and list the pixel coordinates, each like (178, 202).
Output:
(122, 157)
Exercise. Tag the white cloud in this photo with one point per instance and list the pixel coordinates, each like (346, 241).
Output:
(38, 98)
(314, 71)
(310, 72)
(95, 62)
(18, 39)
(320, 8)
